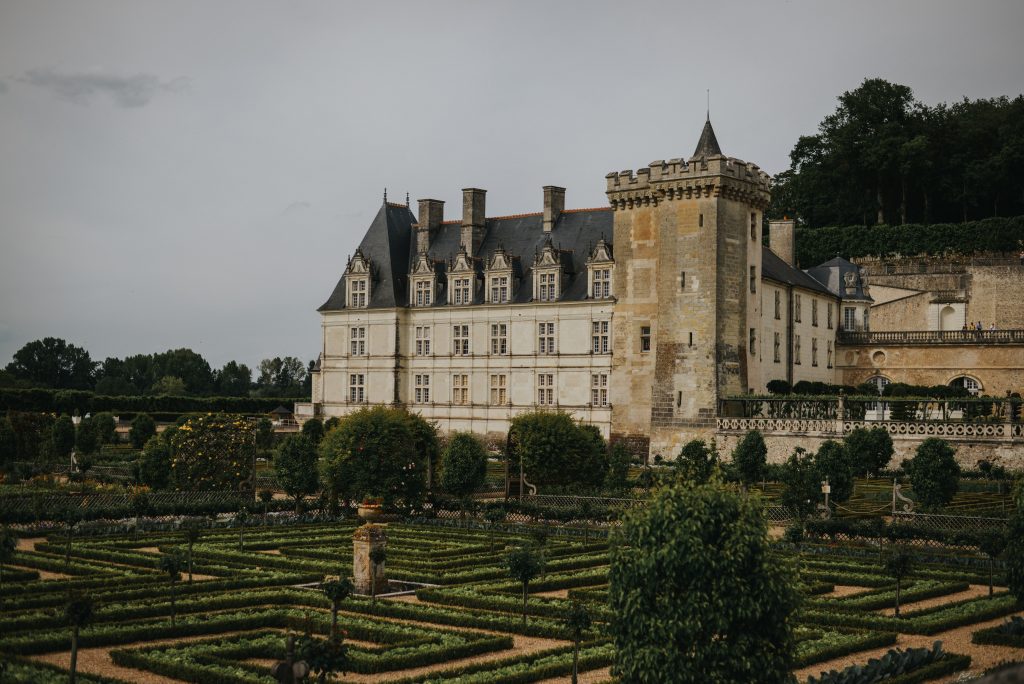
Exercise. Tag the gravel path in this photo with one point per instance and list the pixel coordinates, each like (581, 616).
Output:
(973, 591)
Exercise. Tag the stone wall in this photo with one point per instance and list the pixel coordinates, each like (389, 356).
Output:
(905, 313)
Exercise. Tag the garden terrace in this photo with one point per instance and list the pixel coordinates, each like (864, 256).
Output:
(929, 337)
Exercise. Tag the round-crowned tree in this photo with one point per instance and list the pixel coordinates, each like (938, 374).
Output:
(87, 437)
(62, 436)
(106, 428)
(295, 465)
(869, 449)
(750, 457)
(833, 463)
(377, 451)
(313, 430)
(463, 465)
(1014, 553)
(934, 473)
(695, 568)
(214, 451)
(155, 463)
(554, 449)
(801, 488)
(143, 427)
(696, 461)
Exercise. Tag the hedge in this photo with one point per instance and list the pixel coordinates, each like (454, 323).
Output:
(68, 401)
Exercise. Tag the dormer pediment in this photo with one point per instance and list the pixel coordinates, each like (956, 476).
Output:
(548, 257)
(423, 266)
(463, 263)
(602, 253)
(500, 261)
(358, 265)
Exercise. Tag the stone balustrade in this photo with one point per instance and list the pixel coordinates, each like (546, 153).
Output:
(882, 338)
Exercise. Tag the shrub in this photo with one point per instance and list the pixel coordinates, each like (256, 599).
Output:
(212, 452)
(934, 473)
(696, 461)
(87, 437)
(801, 488)
(155, 463)
(62, 436)
(463, 465)
(143, 427)
(778, 387)
(295, 465)
(106, 428)
(313, 430)
(556, 450)
(750, 457)
(833, 462)
(870, 449)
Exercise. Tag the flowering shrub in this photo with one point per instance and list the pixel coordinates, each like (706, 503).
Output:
(214, 451)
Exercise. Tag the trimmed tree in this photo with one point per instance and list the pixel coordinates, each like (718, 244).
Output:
(555, 449)
(171, 564)
(106, 428)
(214, 451)
(801, 487)
(1014, 552)
(336, 591)
(992, 544)
(523, 566)
(8, 545)
(870, 449)
(695, 567)
(62, 436)
(70, 516)
(750, 458)
(8, 443)
(463, 465)
(898, 565)
(833, 462)
(295, 465)
(87, 437)
(934, 473)
(142, 428)
(78, 612)
(155, 463)
(313, 430)
(577, 622)
(619, 460)
(191, 534)
(696, 461)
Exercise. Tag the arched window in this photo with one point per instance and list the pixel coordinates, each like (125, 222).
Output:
(968, 383)
(879, 381)
(947, 319)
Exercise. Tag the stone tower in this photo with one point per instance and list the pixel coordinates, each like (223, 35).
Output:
(688, 277)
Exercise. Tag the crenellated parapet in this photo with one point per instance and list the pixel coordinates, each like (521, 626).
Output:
(675, 179)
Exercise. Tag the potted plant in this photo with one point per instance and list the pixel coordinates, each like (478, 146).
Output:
(371, 508)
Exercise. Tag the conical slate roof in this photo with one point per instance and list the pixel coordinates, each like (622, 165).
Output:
(707, 146)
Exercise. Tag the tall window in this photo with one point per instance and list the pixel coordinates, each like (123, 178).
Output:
(499, 338)
(814, 312)
(796, 308)
(499, 289)
(499, 389)
(357, 341)
(424, 292)
(829, 343)
(546, 389)
(546, 338)
(423, 340)
(814, 351)
(753, 278)
(776, 349)
(866, 326)
(546, 289)
(753, 226)
(599, 337)
(357, 298)
(602, 283)
(778, 305)
(645, 338)
(421, 390)
(753, 342)
(828, 314)
(461, 292)
(599, 389)
(796, 349)
(460, 340)
(356, 388)
(460, 389)
(849, 318)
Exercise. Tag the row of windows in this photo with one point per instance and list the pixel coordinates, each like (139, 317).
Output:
(498, 394)
(798, 309)
(797, 352)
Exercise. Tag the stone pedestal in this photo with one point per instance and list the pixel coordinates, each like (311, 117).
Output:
(364, 576)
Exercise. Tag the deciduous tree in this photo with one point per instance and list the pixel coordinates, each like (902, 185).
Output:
(295, 466)
(52, 362)
(934, 473)
(750, 458)
(869, 448)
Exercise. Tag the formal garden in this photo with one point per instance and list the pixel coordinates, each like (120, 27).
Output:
(370, 549)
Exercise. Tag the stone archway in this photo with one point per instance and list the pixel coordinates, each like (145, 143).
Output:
(948, 319)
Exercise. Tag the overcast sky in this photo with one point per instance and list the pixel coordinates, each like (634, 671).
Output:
(194, 174)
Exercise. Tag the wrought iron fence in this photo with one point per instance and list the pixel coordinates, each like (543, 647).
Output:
(949, 523)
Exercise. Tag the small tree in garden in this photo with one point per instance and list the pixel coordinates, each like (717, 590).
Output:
(523, 566)
(833, 463)
(494, 515)
(801, 487)
(463, 466)
(213, 451)
(555, 449)
(171, 564)
(323, 656)
(191, 534)
(750, 458)
(8, 545)
(155, 463)
(992, 544)
(313, 430)
(70, 516)
(697, 592)
(106, 428)
(377, 556)
(934, 473)
(241, 518)
(331, 423)
(619, 460)
(142, 428)
(140, 505)
(265, 497)
(295, 465)
(336, 591)
(62, 436)
(898, 565)
(78, 612)
(697, 461)
(870, 450)
(577, 622)
(264, 435)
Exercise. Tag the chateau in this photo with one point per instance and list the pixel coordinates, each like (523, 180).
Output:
(638, 317)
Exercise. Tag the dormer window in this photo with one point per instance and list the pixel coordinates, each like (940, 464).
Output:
(547, 291)
(424, 292)
(547, 274)
(357, 281)
(359, 287)
(600, 265)
(462, 279)
(500, 279)
(499, 289)
(423, 281)
(461, 292)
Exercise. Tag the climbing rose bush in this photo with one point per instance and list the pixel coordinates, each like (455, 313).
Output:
(214, 451)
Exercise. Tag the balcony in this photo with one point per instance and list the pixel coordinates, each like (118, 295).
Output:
(927, 337)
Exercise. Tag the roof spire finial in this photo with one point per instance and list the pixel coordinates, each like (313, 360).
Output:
(406, 198)
(385, 195)
(708, 118)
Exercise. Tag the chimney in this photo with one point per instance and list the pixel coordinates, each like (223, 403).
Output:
(782, 239)
(554, 203)
(473, 205)
(431, 215)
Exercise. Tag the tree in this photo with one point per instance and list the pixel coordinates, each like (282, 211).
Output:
(331, 423)
(188, 366)
(70, 516)
(619, 460)
(577, 622)
(78, 612)
(1014, 552)
(8, 545)
(834, 464)
(313, 430)
(295, 465)
(898, 565)
(992, 544)
(241, 517)
(523, 566)
(336, 591)
(934, 473)
(143, 427)
(281, 377)
(377, 451)
(696, 461)
(106, 428)
(87, 437)
(191, 534)
(463, 465)
(170, 563)
(324, 656)
(265, 497)
(234, 380)
(264, 434)
(63, 436)
(170, 386)
(214, 451)
(555, 449)
(750, 458)
(155, 462)
(140, 505)
(801, 487)
(695, 568)
(870, 449)
(8, 443)
(378, 555)
(52, 362)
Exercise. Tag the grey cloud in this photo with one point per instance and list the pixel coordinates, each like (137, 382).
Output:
(297, 207)
(81, 88)
(3, 87)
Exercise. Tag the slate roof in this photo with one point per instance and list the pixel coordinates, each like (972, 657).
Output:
(832, 274)
(776, 269)
(707, 146)
(390, 249)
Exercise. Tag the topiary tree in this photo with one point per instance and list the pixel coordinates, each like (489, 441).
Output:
(62, 436)
(801, 487)
(378, 450)
(833, 462)
(463, 465)
(191, 533)
(577, 622)
(142, 428)
(171, 564)
(696, 461)
(213, 451)
(336, 591)
(295, 466)
(106, 428)
(870, 449)
(241, 517)
(313, 430)
(70, 517)
(778, 387)
(992, 544)
(554, 449)
(697, 592)
(331, 423)
(1014, 552)
(264, 435)
(898, 565)
(523, 566)
(140, 505)
(87, 437)
(78, 612)
(155, 463)
(619, 460)
(750, 458)
(934, 473)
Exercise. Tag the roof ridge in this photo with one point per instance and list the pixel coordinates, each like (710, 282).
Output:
(582, 209)
(512, 216)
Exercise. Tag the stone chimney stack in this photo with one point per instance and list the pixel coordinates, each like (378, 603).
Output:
(782, 239)
(554, 203)
(473, 219)
(431, 215)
